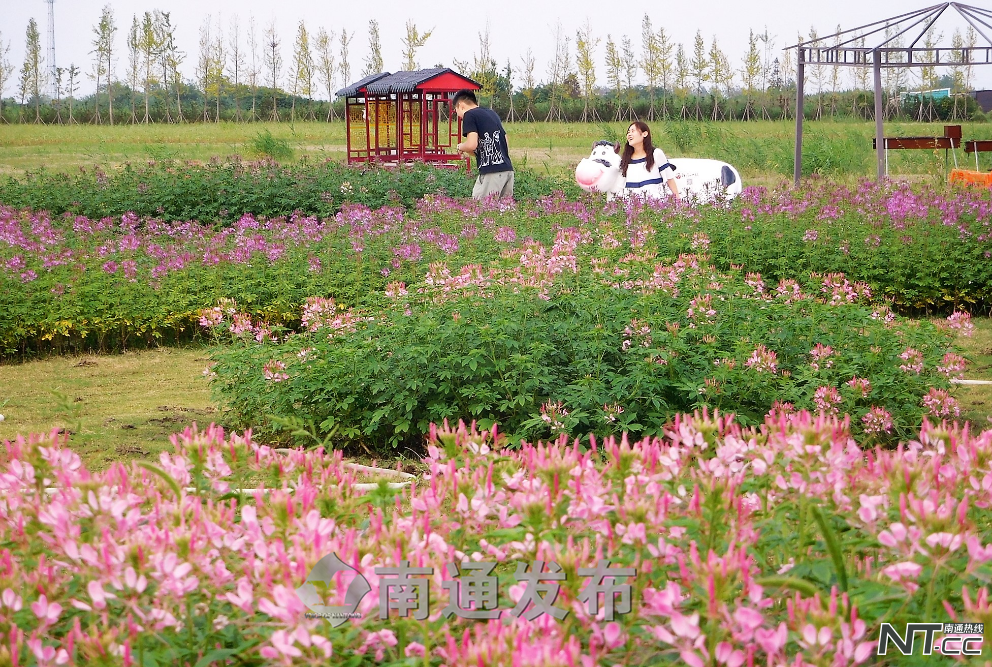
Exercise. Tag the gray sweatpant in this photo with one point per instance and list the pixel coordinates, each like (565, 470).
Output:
(500, 182)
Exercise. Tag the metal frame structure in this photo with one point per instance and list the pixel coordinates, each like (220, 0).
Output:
(405, 117)
(842, 52)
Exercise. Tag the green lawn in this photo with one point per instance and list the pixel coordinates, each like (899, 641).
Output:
(114, 407)
(761, 150)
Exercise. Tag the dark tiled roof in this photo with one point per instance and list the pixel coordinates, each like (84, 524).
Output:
(404, 82)
(352, 90)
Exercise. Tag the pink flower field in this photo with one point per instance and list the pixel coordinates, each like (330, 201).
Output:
(787, 544)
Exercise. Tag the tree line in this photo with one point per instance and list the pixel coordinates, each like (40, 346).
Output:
(247, 73)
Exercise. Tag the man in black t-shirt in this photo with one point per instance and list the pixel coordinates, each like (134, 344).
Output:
(486, 138)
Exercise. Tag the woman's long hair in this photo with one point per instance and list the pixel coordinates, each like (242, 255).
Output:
(628, 150)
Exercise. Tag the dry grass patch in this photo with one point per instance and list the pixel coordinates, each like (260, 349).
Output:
(114, 407)
(976, 400)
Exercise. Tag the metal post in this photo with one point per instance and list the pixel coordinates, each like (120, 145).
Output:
(800, 75)
(879, 133)
(52, 70)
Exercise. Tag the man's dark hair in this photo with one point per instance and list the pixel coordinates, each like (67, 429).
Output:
(464, 95)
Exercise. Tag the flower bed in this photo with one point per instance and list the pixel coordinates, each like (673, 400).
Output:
(221, 192)
(788, 544)
(75, 283)
(567, 338)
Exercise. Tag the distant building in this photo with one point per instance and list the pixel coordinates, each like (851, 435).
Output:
(984, 99)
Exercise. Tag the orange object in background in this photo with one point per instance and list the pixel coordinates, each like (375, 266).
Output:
(980, 178)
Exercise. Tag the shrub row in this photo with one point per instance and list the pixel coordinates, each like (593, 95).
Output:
(75, 283)
(221, 192)
(560, 339)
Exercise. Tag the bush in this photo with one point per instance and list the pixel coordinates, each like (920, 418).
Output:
(567, 339)
(76, 283)
(220, 193)
(264, 144)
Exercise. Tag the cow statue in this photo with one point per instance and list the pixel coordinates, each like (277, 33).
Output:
(698, 179)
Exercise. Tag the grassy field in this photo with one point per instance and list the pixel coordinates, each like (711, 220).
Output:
(113, 407)
(122, 407)
(762, 151)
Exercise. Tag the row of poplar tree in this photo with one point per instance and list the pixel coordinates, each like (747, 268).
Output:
(240, 73)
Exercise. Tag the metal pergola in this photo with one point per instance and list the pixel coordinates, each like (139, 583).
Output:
(841, 49)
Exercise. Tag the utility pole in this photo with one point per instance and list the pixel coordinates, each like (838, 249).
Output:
(51, 48)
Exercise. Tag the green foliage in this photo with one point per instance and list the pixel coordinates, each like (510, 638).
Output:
(222, 192)
(265, 145)
(540, 364)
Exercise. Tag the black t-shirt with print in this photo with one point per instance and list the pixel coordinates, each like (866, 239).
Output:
(492, 154)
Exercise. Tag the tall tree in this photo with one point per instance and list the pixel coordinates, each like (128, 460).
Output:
(171, 57)
(894, 78)
(165, 40)
(302, 68)
(24, 91)
(630, 73)
(105, 32)
(345, 64)
(835, 75)
(788, 69)
(273, 61)
(767, 60)
(666, 66)
(326, 67)
(414, 40)
(71, 87)
(373, 64)
(59, 78)
(254, 66)
(151, 43)
(819, 76)
(559, 71)
(958, 72)
(682, 81)
(511, 114)
(614, 76)
(971, 41)
(134, 64)
(33, 70)
(6, 71)
(237, 63)
(528, 90)
(218, 63)
(721, 74)
(700, 67)
(483, 68)
(751, 75)
(204, 63)
(585, 61)
(650, 61)
(860, 77)
(928, 76)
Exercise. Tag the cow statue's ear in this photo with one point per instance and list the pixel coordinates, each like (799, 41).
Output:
(616, 148)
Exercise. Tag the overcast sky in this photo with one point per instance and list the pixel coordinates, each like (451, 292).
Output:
(515, 25)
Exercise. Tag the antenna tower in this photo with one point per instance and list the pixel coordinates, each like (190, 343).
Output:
(51, 48)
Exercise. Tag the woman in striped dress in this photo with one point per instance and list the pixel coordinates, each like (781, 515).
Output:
(645, 168)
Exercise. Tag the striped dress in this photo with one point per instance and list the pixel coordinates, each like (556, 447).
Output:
(644, 183)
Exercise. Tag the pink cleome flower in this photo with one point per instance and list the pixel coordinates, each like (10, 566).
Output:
(827, 399)
(877, 420)
(762, 360)
(941, 404)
